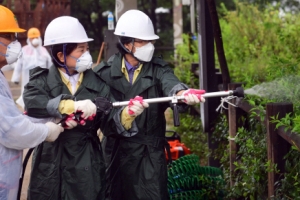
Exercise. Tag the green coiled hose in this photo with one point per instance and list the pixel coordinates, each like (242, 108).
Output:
(188, 180)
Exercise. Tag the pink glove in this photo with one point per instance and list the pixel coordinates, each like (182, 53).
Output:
(74, 119)
(136, 106)
(193, 96)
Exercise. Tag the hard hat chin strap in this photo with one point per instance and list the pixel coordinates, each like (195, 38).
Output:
(62, 65)
(130, 52)
(65, 58)
(122, 45)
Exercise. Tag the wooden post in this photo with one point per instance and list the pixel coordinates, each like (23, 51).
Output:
(277, 146)
(219, 42)
(100, 53)
(110, 47)
(208, 78)
(234, 115)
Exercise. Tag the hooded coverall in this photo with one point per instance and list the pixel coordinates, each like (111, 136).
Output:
(16, 133)
(72, 167)
(137, 167)
(31, 57)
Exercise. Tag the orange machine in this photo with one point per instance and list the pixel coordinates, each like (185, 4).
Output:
(177, 148)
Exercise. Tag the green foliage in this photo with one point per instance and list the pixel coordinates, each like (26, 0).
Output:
(260, 45)
(283, 89)
(251, 167)
(262, 52)
(264, 55)
(288, 187)
(291, 121)
(186, 54)
(190, 128)
(286, 121)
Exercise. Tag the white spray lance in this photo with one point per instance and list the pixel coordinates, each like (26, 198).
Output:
(103, 105)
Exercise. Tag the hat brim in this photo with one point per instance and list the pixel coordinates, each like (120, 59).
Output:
(13, 30)
(152, 37)
(65, 42)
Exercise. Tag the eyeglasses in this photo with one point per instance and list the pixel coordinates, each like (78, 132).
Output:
(144, 41)
(10, 36)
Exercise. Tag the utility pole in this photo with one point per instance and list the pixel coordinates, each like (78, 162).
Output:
(177, 22)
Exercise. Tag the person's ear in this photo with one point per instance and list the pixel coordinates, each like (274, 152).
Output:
(126, 46)
(129, 47)
(60, 56)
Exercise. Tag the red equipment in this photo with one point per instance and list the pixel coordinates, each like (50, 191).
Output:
(177, 148)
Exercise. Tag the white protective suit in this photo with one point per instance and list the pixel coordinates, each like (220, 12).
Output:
(9, 67)
(16, 133)
(31, 58)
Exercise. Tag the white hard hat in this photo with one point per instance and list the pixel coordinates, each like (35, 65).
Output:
(63, 30)
(135, 24)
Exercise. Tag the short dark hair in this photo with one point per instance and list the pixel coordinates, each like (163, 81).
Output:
(123, 40)
(59, 48)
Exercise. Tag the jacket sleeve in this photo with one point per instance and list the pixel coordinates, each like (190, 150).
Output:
(16, 130)
(171, 85)
(121, 129)
(111, 124)
(36, 97)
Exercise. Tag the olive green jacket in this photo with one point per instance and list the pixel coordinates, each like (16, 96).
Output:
(137, 165)
(72, 167)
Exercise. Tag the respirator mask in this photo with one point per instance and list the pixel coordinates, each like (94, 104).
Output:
(13, 51)
(145, 52)
(84, 62)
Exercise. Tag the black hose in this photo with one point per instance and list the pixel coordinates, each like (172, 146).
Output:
(23, 171)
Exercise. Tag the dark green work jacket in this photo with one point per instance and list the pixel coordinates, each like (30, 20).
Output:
(72, 167)
(137, 167)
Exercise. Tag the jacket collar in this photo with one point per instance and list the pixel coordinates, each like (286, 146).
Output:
(117, 63)
(54, 80)
(119, 82)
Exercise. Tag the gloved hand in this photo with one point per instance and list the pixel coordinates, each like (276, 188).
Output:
(71, 123)
(136, 106)
(55, 120)
(53, 131)
(193, 96)
(87, 107)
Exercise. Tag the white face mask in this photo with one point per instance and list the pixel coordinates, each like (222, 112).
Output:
(145, 52)
(35, 42)
(13, 51)
(84, 62)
